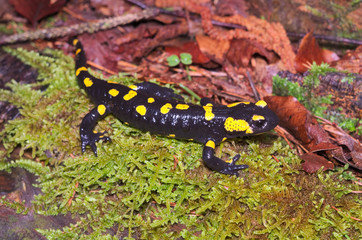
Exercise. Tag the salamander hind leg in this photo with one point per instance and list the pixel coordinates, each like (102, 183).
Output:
(87, 135)
(219, 165)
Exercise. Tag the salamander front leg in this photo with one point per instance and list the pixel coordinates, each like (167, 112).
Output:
(87, 135)
(219, 165)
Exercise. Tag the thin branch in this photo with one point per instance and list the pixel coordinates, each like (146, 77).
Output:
(89, 27)
(328, 38)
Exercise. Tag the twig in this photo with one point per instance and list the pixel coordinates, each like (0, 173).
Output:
(89, 27)
(329, 38)
(255, 92)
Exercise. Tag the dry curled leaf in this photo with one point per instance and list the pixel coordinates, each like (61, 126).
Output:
(351, 61)
(309, 52)
(313, 162)
(34, 10)
(271, 36)
(242, 50)
(215, 49)
(330, 143)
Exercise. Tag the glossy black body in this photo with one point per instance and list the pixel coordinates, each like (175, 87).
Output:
(149, 107)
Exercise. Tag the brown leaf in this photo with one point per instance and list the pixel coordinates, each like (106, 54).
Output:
(189, 47)
(303, 126)
(148, 37)
(357, 155)
(309, 52)
(323, 146)
(215, 49)
(298, 121)
(292, 115)
(34, 10)
(241, 51)
(109, 7)
(351, 61)
(231, 7)
(313, 162)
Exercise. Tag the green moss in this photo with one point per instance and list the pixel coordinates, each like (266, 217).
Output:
(20, 208)
(12, 26)
(318, 105)
(156, 187)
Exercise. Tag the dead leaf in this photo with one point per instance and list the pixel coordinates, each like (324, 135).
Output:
(309, 52)
(313, 162)
(109, 7)
(293, 116)
(323, 146)
(357, 156)
(242, 50)
(231, 7)
(149, 36)
(189, 47)
(351, 61)
(34, 10)
(304, 127)
(215, 49)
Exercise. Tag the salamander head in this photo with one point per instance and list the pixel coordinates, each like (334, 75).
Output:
(249, 119)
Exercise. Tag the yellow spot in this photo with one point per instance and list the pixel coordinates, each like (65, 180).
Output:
(233, 104)
(126, 123)
(78, 51)
(249, 130)
(75, 41)
(150, 100)
(141, 110)
(208, 112)
(101, 109)
(87, 82)
(166, 108)
(236, 103)
(131, 94)
(182, 106)
(211, 144)
(172, 135)
(134, 87)
(229, 161)
(80, 70)
(190, 139)
(113, 92)
(261, 103)
(239, 125)
(224, 139)
(112, 82)
(258, 117)
(94, 131)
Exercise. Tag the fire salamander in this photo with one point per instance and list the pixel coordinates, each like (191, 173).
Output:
(159, 110)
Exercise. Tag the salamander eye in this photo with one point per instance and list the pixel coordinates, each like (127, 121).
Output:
(259, 122)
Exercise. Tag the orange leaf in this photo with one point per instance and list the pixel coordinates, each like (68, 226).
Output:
(215, 49)
(309, 52)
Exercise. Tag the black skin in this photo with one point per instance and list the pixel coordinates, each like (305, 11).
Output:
(159, 110)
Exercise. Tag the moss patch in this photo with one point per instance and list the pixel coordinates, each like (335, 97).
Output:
(143, 185)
